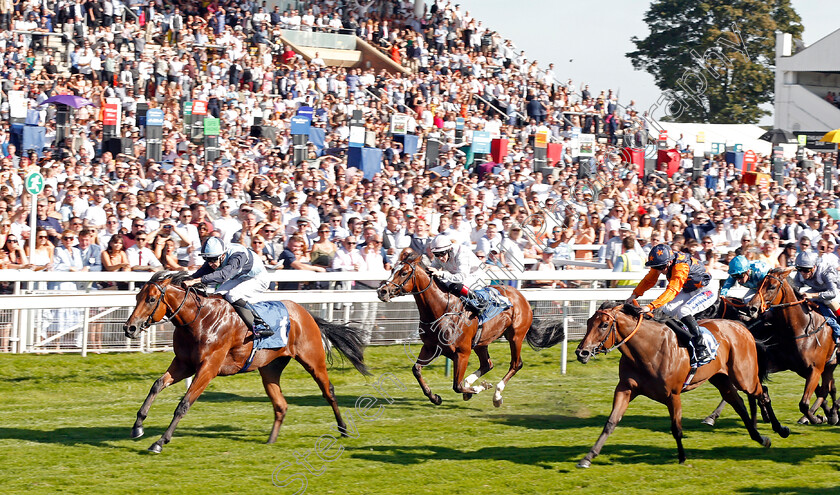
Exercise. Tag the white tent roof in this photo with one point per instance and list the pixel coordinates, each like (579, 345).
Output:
(729, 134)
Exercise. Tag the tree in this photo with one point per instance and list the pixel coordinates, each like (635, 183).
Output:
(713, 59)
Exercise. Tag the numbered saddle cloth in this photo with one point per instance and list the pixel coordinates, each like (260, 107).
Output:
(496, 303)
(275, 314)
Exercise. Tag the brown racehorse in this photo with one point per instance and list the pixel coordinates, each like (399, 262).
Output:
(652, 364)
(444, 329)
(210, 339)
(801, 341)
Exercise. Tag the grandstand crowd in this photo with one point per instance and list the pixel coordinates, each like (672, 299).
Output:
(124, 212)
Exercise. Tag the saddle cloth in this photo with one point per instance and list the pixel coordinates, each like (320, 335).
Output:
(496, 303)
(275, 314)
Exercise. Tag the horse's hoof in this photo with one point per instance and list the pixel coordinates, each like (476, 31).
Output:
(137, 432)
(803, 421)
(833, 419)
(155, 448)
(436, 400)
(468, 397)
(784, 432)
(584, 464)
(820, 420)
(709, 421)
(765, 441)
(498, 402)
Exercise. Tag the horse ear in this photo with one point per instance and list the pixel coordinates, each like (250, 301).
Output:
(786, 272)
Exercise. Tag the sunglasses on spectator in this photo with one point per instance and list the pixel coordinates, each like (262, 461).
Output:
(42, 237)
(11, 240)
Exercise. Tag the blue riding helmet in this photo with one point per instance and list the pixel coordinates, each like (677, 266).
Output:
(660, 255)
(739, 266)
(213, 248)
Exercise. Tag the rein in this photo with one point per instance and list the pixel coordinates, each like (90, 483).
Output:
(766, 306)
(613, 332)
(166, 318)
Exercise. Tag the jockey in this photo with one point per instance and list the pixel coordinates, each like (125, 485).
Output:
(455, 268)
(822, 279)
(237, 273)
(750, 274)
(686, 294)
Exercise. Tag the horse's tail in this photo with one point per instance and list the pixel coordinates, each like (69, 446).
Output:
(546, 333)
(763, 360)
(349, 340)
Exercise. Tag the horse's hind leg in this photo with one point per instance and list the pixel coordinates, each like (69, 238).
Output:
(769, 414)
(318, 370)
(484, 367)
(516, 364)
(730, 395)
(176, 372)
(621, 399)
(271, 381)
(710, 419)
(208, 370)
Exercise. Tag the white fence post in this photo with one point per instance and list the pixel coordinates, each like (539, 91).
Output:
(85, 331)
(565, 351)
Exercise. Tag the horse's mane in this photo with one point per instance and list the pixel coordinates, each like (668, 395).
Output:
(610, 304)
(174, 277)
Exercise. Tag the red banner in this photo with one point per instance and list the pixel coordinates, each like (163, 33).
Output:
(110, 114)
(199, 107)
(750, 159)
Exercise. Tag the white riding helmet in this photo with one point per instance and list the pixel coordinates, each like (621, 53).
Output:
(213, 248)
(441, 244)
(806, 259)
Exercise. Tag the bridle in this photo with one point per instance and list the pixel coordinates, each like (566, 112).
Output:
(767, 303)
(612, 331)
(401, 287)
(162, 289)
(766, 306)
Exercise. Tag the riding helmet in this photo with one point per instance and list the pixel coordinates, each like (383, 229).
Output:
(660, 255)
(806, 259)
(441, 244)
(739, 265)
(213, 248)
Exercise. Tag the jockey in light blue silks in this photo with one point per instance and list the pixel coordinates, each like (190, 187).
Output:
(750, 274)
(456, 268)
(237, 273)
(822, 286)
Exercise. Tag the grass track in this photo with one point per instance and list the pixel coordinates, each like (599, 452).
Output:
(65, 420)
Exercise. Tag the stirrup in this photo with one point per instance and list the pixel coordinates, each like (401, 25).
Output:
(690, 376)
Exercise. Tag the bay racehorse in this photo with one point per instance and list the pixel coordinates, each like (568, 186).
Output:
(652, 364)
(210, 339)
(446, 329)
(799, 340)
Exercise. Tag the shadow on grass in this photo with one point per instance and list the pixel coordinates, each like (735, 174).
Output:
(315, 400)
(614, 454)
(103, 436)
(798, 490)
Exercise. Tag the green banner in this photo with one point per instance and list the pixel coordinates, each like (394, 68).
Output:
(188, 108)
(212, 126)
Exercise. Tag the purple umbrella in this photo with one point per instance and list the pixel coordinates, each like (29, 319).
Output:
(71, 100)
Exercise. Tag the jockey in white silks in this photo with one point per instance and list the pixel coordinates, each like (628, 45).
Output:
(457, 268)
(239, 274)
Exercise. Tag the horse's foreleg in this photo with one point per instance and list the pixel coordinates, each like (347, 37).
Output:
(710, 419)
(484, 367)
(811, 384)
(208, 370)
(459, 369)
(621, 399)
(769, 414)
(271, 382)
(427, 354)
(176, 372)
(674, 404)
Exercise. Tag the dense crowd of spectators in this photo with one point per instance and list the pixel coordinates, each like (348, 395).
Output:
(127, 213)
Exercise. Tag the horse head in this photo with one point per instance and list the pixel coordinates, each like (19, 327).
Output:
(151, 307)
(601, 327)
(771, 292)
(404, 277)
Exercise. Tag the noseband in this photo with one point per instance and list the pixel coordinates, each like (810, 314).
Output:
(401, 287)
(168, 317)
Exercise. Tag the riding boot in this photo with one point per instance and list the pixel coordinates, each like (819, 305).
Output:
(700, 350)
(253, 320)
(475, 304)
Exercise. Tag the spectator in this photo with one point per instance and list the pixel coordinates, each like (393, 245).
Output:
(140, 257)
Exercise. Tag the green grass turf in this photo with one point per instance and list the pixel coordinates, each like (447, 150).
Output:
(65, 422)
